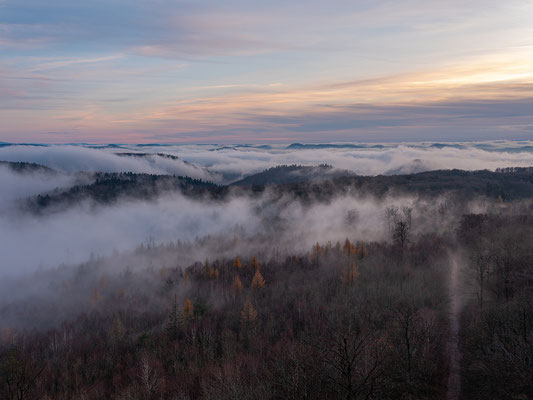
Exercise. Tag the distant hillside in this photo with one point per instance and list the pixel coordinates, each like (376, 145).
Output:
(300, 146)
(25, 167)
(109, 187)
(509, 183)
(308, 184)
(291, 174)
(190, 168)
(144, 155)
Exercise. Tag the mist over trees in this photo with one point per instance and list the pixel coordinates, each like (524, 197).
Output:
(295, 283)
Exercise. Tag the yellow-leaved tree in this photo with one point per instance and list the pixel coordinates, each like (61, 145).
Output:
(237, 263)
(188, 311)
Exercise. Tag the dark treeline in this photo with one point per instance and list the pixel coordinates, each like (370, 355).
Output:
(321, 183)
(284, 174)
(25, 167)
(108, 188)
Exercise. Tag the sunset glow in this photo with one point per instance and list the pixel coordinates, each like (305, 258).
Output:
(239, 72)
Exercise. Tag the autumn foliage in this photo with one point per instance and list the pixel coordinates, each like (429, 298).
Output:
(258, 281)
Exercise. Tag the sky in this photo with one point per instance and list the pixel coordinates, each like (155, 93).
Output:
(169, 71)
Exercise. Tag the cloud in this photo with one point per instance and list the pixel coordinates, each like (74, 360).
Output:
(211, 162)
(74, 61)
(18, 186)
(28, 242)
(367, 160)
(76, 158)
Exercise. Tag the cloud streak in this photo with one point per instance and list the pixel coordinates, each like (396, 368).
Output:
(113, 71)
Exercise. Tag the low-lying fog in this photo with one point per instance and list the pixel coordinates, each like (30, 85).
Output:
(222, 164)
(29, 242)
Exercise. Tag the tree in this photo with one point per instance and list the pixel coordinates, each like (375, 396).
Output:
(350, 274)
(248, 313)
(480, 265)
(257, 281)
(236, 286)
(148, 378)
(188, 311)
(173, 321)
(348, 248)
(401, 233)
(317, 251)
(255, 263)
(118, 330)
(19, 375)
(352, 360)
(362, 252)
(399, 224)
(237, 263)
(210, 272)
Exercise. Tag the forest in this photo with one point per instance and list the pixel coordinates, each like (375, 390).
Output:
(420, 287)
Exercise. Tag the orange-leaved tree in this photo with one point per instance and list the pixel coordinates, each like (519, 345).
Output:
(236, 286)
(237, 263)
(255, 263)
(350, 274)
(257, 281)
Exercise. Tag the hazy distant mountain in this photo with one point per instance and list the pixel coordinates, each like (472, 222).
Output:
(307, 183)
(300, 146)
(191, 169)
(293, 173)
(144, 155)
(25, 167)
(109, 187)
(414, 167)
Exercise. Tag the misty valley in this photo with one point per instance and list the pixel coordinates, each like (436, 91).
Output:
(372, 271)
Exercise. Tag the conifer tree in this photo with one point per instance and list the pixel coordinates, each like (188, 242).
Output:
(362, 252)
(317, 251)
(255, 264)
(118, 330)
(237, 263)
(350, 274)
(237, 284)
(188, 311)
(173, 321)
(257, 281)
(206, 269)
(248, 313)
(349, 249)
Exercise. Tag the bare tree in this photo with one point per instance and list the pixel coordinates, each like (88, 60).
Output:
(353, 360)
(19, 375)
(399, 224)
(148, 378)
(480, 262)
